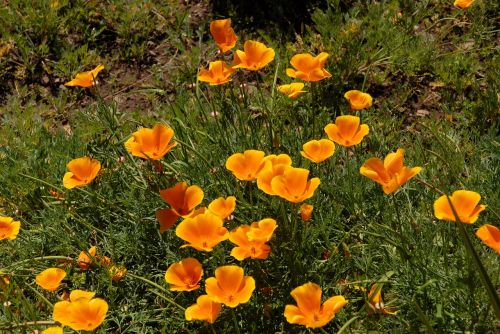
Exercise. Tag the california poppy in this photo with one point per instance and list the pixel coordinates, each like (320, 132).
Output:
(292, 90)
(347, 131)
(81, 172)
(53, 330)
(81, 312)
(202, 232)
(358, 100)
(223, 207)
(254, 57)
(262, 230)
(274, 165)
(293, 184)
(151, 143)
(376, 304)
(223, 34)
(490, 235)
(463, 4)
(246, 248)
(117, 272)
(50, 278)
(247, 165)
(309, 312)
(306, 212)
(184, 275)
(9, 229)
(318, 150)
(85, 258)
(466, 204)
(229, 286)
(86, 79)
(391, 173)
(218, 73)
(204, 309)
(308, 67)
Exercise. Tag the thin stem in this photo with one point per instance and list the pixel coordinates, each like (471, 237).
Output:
(28, 323)
(171, 301)
(236, 327)
(41, 258)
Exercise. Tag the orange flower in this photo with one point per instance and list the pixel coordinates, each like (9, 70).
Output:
(309, 312)
(463, 4)
(293, 185)
(202, 232)
(247, 165)
(318, 150)
(85, 258)
(306, 212)
(223, 207)
(308, 67)
(229, 286)
(292, 90)
(9, 229)
(247, 249)
(204, 309)
(347, 131)
(223, 34)
(358, 100)
(376, 303)
(274, 165)
(262, 230)
(465, 203)
(391, 173)
(50, 278)
(81, 172)
(218, 73)
(86, 79)
(82, 312)
(151, 143)
(255, 56)
(490, 235)
(117, 272)
(184, 275)
(53, 330)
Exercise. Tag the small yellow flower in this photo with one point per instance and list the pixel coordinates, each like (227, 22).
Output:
(86, 79)
(292, 90)
(358, 100)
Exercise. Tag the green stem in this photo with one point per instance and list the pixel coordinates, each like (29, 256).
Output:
(41, 258)
(27, 324)
(236, 327)
(171, 301)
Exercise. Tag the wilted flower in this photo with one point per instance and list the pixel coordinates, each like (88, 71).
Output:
(309, 312)
(293, 185)
(204, 309)
(81, 172)
(82, 312)
(274, 165)
(390, 173)
(9, 229)
(254, 57)
(466, 204)
(318, 150)
(223, 207)
(306, 212)
(358, 100)
(229, 286)
(246, 166)
(85, 258)
(463, 4)
(308, 67)
(223, 34)
(376, 303)
(116, 272)
(218, 73)
(151, 143)
(50, 278)
(292, 90)
(184, 275)
(202, 232)
(86, 79)
(347, 131)
(490, 235)
(246, 248)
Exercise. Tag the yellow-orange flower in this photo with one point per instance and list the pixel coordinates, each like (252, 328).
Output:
(376, 303)
(202, 232)
(9, 229)
(274, 165)
(358, 100)
(254, 57)
(463, 4)
(86, 79)
(292, 90)
(318, 150)
(293, 185)
(223, 34)
(246, 166)
(490, 235)
(466, 204)
(218, 73)
(262, 230)
(184, 275)
(85, 258)
(308, 67)
(117, 272)
(81, 172)
(223, 207)
(81, 312)
(50, 278)
(151, 143)
(309, 312)
(229, 286)
(245, 247)
(347, 131)
(306, 212)
(53, 330)
(204, 309)
(391, 173)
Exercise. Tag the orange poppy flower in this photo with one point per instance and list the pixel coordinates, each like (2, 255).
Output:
(223, 207)
(117, 272)
(308, 67)
(86, 79)
(293, 185)
(463, 4)
(347, 131)
(358, 100)
(274, 165)
(184, 275)
(247, 249)
(229, 286)
(9, 229)
(151, 143)
(292, 90)
(53, 330)
(466, 204)
(376, 303)
(254, 57)
(490, 235)
(390, 173)
(50, 278)
(81, 172)
(318, 150)
(204, 309)
(246, 166)
(306, 212)
(262, 230)
(223, 34)
(202, 232)
(81, 312)
(309, 312)
(218, 73)
(85, 258)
